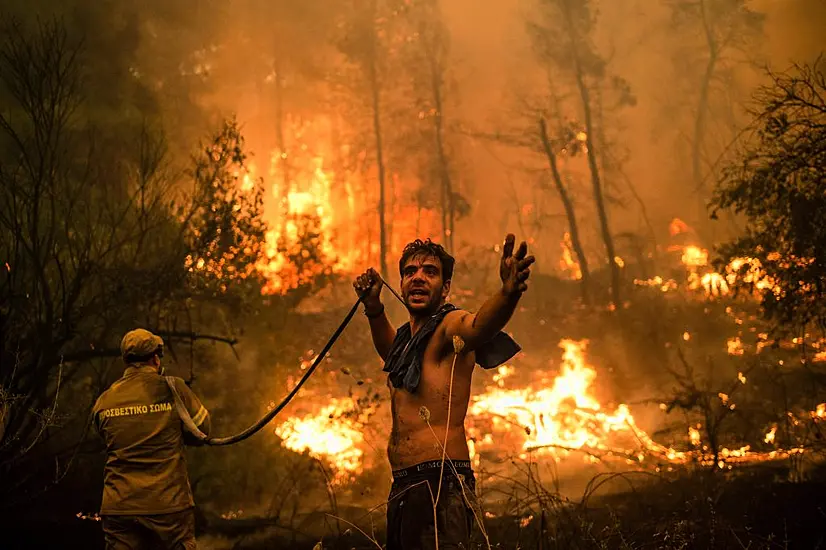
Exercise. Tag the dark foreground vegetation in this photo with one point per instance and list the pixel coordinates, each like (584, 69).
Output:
(758, 508)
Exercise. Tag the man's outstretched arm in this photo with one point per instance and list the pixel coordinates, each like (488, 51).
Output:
(476, 329)
(369, 283)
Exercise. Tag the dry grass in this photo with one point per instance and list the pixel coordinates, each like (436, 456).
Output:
(755, 509)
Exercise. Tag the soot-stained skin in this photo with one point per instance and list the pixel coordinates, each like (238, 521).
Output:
(417, 436)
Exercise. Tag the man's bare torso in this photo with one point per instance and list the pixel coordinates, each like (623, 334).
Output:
(412, 441)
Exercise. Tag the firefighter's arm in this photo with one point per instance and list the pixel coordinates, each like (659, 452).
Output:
(94, 419)
(199, 413)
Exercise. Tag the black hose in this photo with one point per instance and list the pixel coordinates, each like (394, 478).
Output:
(217, 441)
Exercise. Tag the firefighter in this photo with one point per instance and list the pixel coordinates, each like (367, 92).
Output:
(147, 498)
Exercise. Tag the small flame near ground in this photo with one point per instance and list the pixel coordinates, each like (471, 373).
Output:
(567, 263)
(332, 434)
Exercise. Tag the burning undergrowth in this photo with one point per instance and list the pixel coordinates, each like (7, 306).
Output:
(542, 413)
(683, 378)
(557, 407)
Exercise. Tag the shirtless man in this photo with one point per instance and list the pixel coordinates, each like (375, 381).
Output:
(430, 388)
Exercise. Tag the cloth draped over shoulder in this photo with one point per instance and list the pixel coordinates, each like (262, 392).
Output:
(404, 361)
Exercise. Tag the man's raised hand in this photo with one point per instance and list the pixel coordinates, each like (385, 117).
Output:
(369, 284)
(514, 269)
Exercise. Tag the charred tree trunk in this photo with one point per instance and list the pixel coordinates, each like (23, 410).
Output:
(700, 126)
(596, 184)
(569, 212)
(611, 163)
(433, 44)
(697, 144)
(448, 206)
(391, 199)
(283, 164)
(279, 125)
(376, 105)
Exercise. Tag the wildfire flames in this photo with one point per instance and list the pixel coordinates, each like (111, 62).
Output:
(558, 415)
(560, 418)
(553, 416)
(304, 238)
(567, 262)
(320, 209)
(331, 434)
(700, 276)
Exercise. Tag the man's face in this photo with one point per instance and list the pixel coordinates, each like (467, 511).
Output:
(423, 288)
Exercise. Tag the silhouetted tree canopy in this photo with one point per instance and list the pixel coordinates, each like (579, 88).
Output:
(97, 235)
(778, 183)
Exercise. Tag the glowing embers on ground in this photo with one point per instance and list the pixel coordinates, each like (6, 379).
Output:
(714, 284)
(561, 416)
(701, 277)
(332, 434)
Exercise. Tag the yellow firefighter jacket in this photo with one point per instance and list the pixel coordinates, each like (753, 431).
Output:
(145, 470)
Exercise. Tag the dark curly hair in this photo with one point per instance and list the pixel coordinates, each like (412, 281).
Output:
(428, 248)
